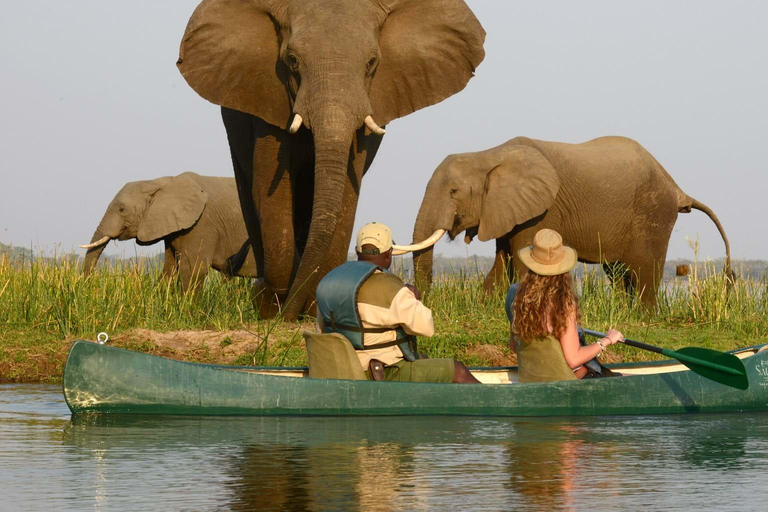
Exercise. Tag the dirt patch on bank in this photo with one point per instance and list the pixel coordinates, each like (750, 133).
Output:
(494, 355)
(39, 356)
(221, 346)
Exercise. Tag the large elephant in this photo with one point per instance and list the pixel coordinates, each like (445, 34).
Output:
(197, 217)
(301, 83)
(609, 198)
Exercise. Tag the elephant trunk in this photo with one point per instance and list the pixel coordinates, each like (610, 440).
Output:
(436, 214)
(110, 227)
(422, 268)
(424, 259)
(332, 147)
(94, 253)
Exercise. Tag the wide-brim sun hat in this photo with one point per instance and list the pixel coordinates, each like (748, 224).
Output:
(548, 256)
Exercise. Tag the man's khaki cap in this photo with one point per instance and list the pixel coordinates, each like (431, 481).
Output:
(376, 234)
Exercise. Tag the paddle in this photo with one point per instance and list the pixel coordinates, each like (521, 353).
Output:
(714, 365)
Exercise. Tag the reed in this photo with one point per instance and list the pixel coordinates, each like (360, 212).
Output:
(48, 299)
(52, 295)
(703, 309)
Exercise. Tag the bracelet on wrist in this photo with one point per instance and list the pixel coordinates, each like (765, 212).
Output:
(602, 347)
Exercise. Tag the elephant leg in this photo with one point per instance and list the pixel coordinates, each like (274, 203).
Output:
(362, 152)
(618, 273)
(522, 236)
(274, 170)
(170, 264)
(192, 271)
(194, 258)
(262, 161)
(642, 278)
(501, 273)
(518, 268)
(241, 133)
(646, 268)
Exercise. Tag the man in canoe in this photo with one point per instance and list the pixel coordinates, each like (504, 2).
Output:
(544, 316)
(381, 316)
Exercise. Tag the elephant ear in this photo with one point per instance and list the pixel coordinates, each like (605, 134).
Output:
(521, 187)
(429, 51)
(230, 56)
(177, 204)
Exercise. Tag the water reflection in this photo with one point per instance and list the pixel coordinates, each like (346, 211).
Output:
(323, 476)
(108, 462)
(544, 467)
(427, 463)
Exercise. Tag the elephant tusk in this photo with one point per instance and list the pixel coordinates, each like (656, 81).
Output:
(429, 242)
(97, 243)
(371, 124)
(295, 124)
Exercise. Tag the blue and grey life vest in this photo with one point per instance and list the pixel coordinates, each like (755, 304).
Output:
(337, 303)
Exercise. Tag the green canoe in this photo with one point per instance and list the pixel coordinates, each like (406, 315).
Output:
(104, 379)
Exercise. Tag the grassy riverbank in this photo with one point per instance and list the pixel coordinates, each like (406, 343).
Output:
(45, 304)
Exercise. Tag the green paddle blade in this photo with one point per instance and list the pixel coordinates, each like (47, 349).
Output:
(718, 366)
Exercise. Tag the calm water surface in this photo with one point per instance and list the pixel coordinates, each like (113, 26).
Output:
(50, 461)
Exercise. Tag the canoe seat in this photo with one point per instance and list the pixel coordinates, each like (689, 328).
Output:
(331, 356)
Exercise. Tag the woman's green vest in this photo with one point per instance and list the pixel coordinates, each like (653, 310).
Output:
(542, 360)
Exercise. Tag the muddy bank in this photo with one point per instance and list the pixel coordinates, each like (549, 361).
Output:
(40, 357)
(222, 347)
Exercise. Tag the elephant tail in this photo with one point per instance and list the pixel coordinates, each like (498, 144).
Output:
(706, 209)
(236, 261)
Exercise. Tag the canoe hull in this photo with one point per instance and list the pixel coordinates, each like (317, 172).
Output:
(103, 379)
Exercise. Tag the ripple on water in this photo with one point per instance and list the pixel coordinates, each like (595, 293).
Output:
(675, 462)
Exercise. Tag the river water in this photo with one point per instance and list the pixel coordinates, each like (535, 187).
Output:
(51, 461)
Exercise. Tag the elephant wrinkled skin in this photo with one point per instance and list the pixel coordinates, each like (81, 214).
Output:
(304, 86)
(197, 217)
(609, 198)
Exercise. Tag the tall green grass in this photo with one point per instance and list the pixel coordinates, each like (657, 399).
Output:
(703, 308)
(52, 295)
(706, 297)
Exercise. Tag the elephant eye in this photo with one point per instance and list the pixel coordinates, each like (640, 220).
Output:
(292, 61)
(454, 191)
(371, 63)
(121, 209)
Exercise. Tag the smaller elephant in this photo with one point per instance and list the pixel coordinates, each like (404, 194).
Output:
(197, 217)
(609, 198)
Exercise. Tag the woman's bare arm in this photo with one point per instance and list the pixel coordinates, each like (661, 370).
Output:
(575, 354)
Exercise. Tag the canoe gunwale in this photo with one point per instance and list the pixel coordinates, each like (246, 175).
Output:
(661, 362)
(104, 379)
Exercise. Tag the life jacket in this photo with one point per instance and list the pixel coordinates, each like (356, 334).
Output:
(337, 303)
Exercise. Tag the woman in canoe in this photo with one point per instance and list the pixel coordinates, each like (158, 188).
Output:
(547, 315)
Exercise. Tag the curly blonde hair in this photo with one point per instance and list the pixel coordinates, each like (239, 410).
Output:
(544, 301)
